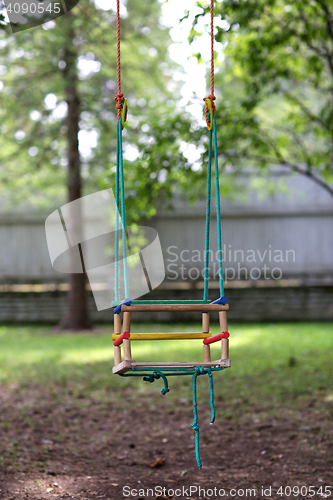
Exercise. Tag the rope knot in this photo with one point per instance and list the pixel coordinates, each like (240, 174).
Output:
(212, 99)
(119, 99)
(195, 427)
(155, 376)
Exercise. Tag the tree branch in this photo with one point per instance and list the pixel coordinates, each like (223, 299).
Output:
(305, 109)
(291, 166)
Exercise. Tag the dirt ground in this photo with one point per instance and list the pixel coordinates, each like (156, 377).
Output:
(54, 445)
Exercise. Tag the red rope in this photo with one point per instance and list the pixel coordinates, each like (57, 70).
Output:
(119, 97)
(211, 96)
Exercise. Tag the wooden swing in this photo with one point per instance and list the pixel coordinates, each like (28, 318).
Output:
(122, 336)
(125, 338)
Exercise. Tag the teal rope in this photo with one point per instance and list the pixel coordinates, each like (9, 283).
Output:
(200, 371)
(212, 133)
(116, 282)
(120, 180)
(209, 182)
(155, 376)
(195, 371)
(218, 209)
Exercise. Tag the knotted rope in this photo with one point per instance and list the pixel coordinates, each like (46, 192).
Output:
(197, 370)
(211, 96)
(195, 426)
(120, 96)
(155, 376)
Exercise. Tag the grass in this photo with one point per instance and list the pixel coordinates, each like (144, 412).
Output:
(271, 363)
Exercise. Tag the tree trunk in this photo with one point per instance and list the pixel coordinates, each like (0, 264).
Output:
(77, 315)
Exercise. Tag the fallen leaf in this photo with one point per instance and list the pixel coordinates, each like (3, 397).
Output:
(114, 484)
(158, 462)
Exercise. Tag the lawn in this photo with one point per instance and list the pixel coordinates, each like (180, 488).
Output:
(70, 428)
(271, 363)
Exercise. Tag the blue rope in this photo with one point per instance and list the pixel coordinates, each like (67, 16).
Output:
(120, 187)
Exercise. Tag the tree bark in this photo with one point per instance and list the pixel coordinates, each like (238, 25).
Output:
(77, 314)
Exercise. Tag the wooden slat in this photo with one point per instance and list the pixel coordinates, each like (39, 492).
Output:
(127, 365)
(174, 307)
(167, 336)
(135, 302)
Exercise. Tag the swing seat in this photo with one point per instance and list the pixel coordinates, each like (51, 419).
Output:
(130, 365)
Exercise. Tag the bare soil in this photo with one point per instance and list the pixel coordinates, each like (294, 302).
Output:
(57, 445)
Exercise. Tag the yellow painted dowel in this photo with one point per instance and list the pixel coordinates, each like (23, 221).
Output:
(166, 336)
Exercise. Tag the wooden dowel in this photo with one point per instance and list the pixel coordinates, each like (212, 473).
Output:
(117, 331)
(223, 321)
(127, 349)
(117, 354)
(117, 324)
(205, 322)
(224, 328)
(206, 353)
(174, 307)
(225, 349)
(127, 322)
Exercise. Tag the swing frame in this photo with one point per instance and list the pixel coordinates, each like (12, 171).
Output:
(122, 336)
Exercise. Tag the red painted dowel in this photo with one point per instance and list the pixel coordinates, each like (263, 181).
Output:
(215, 338)
(119, 340)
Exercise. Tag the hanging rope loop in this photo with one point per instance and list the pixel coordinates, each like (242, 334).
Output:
(119, 98)
(209, 109)
(211, 96)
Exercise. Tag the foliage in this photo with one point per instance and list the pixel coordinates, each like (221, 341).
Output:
(276, 85)
(270, 363)
(33, 116)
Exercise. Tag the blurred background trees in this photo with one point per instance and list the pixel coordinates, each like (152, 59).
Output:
(58, 115)
(275, 86)
(274, 93)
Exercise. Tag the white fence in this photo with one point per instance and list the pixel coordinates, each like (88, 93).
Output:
(287, 236)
